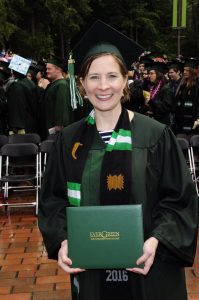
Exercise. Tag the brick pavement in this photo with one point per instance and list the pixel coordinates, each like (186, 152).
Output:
(27, 274)
(25, 271)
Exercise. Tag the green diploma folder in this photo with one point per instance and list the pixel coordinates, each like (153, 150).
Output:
(101, 237)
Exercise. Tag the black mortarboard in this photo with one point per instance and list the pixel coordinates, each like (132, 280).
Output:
(191, 63)
(175, 64)
(103, 38)
(157, 66)
(145, 60)
(59, 62)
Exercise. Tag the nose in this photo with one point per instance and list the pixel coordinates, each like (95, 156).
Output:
(103, 83)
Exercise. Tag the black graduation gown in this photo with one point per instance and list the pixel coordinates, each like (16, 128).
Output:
(160, 181)
(187, 108)
(3, 111)
(23, 105)
(163, 105)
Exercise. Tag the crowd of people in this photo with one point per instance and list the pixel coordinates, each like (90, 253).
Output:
(167, 91)
(40, 101)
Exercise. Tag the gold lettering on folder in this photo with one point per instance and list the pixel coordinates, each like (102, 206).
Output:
(104, 235)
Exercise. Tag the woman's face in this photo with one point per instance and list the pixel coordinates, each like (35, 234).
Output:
(152, 76)
(186, 72)
(104, 83)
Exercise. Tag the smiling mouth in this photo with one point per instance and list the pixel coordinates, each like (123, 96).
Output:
(104, 97)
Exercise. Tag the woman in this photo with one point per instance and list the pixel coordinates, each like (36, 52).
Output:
(187, 101)
(154, 173)
(160, 101)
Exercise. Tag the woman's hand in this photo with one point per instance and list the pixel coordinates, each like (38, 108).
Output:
(64, 261)
(149, 250)
(196, 124)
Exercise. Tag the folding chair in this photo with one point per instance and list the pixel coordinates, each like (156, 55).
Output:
(194, 147)
(187, 151)
(44, 150)
(11, 178)
(25, 138)
(3, 140)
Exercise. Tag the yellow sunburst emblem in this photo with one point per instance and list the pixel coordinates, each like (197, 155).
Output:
(75, 147)
(115, 182)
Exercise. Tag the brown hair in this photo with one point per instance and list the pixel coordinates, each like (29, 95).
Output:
(191, 81)
(86, 66)
(159, 76)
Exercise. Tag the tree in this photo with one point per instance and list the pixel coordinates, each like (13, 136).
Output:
(67, 18)
(7, 28)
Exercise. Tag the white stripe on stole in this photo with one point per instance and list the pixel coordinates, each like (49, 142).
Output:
(120, 139)
(74, 194)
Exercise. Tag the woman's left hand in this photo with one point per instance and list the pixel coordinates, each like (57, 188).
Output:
(149, 250)
(196, 124)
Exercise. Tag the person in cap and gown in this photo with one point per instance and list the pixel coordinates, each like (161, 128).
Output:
(187, 100)
(175, 69)
(56, 104)
(22, 102)
(160, 98)
(4, 75)
(175, 78)
(109, 142)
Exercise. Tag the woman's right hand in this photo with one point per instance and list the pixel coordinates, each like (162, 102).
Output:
(64, 261)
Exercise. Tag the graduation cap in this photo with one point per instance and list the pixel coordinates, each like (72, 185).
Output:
(102, 38)
(175, 64)
(158, 66)
(19, 64)
(191, 63)
(59, 62)
(145, 60)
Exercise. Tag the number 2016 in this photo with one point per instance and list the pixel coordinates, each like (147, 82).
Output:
(116, 275)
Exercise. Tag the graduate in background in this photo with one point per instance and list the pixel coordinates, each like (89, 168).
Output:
(56, 105)
(113, 141)
(22, 99)
(187, 100)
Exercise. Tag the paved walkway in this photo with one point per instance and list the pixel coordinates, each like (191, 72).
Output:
(27, 274)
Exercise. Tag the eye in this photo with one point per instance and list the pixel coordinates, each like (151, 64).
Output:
(111, 76)
(94, 77)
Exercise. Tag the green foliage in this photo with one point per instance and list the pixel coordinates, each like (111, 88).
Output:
(7, 28)
(38, 28)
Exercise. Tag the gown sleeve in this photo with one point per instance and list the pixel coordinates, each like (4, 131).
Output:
(53, 200)
(175, 215)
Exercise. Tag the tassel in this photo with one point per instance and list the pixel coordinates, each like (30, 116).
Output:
(74, 92)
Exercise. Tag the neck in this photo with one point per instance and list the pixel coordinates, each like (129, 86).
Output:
(57, 78)
(107, 120)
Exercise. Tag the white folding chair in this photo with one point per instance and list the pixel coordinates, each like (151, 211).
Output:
(188, 154)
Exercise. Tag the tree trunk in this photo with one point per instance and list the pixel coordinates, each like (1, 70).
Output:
(61, 36)
(33, 31)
